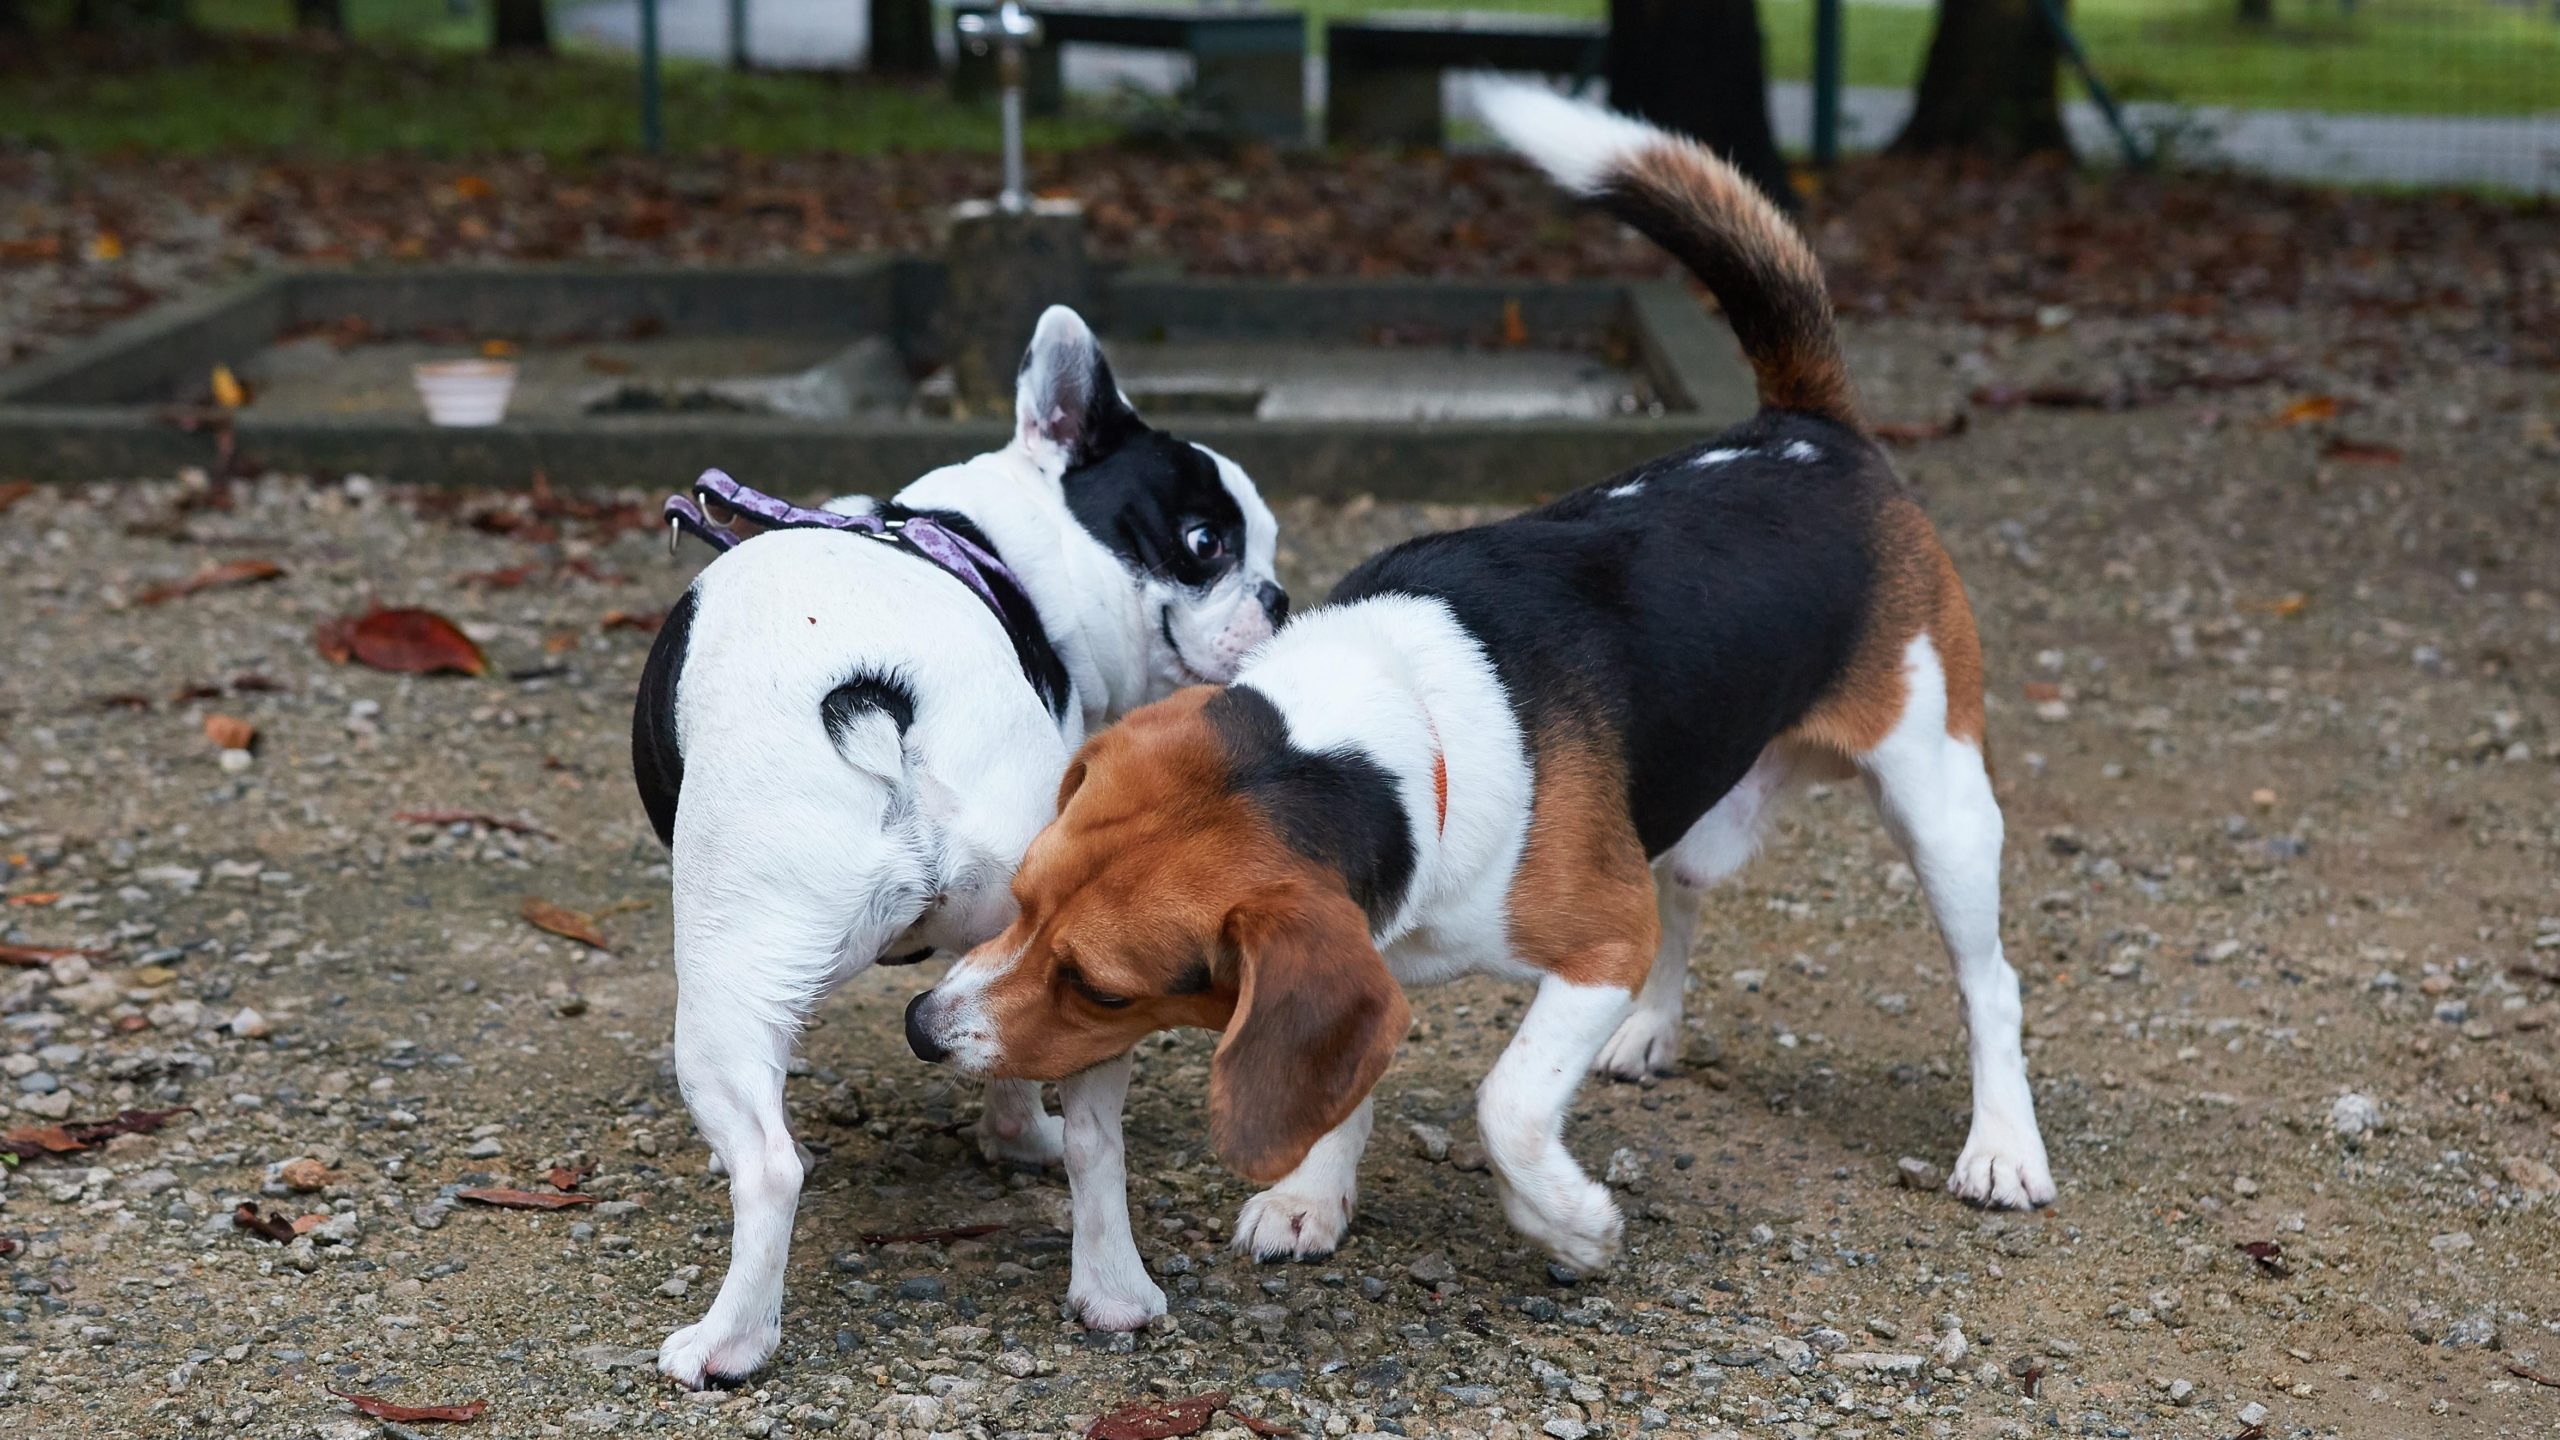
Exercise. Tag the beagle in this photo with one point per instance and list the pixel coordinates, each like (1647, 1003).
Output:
(1521, 749)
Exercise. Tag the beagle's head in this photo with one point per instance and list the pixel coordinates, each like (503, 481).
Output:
(1174, 889)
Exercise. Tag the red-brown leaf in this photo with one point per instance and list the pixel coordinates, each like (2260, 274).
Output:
(562, 921)
(1168, 1420)
(562, 1177)
(47, 1139)
(270, 1225)
(646, 623)
(2361, 452)
(230, 732)
(27, 957)
(211, 577)
(381, 1409)
(506, 1199)
(408, 642)
(2309, 408)
(928, 1237)
(13, 491)
(471, 817)
(74, 1136)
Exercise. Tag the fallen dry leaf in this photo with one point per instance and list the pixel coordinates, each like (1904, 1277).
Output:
(562, 921)
(506, 1199)
(269, 1225)
(1913, 432)
(564, 1178)
(2290, 605)
(646, 622)
(228, 392)
(507, 579)
(2268, 1254)
(13, 491)
(42, 1139)
(471, 817)
(211, 577)
(381, 1409)
(1164, 1420)
(2527, 1372)
(408, 642)
(230, 732)
(122, 701)
(1515, 331)
(2361, 452)
(2306, 409)
(29, 956)
(36, 897)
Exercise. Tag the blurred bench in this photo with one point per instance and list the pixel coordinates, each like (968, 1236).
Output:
(1382, 72)
(1249, 67)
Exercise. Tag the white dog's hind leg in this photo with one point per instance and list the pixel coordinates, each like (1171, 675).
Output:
(1936, 798)
(1014, 1130)
(731, 1062)
(1305, 1216)
(1107, 1281)
(1520, 1111)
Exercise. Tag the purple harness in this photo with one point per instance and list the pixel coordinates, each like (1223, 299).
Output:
(719, 502)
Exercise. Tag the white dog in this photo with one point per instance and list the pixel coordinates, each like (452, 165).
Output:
(847, 740)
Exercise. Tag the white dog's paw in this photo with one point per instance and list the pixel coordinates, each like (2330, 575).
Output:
(702, 1354)
(1280, 1225)
(1039, 1142)
(2003, 1167)
(1127, 1308)
(1578, 1224)
(1647, 1043)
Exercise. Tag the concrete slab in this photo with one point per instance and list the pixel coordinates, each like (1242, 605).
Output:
(1309, 381)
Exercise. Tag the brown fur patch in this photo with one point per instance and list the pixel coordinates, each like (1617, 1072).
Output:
(1157, 875)
(1755, 262)
(1581, 904)
(1915, 591)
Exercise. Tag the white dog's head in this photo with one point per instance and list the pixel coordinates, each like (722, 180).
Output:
(1184, 520)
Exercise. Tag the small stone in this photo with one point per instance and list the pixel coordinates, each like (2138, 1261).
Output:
(1430, 1142)
(1870, 1362)
(151, 1182)
(2534, 1177)
(2452, 1242)
(2253, 1415)
(920, 1287)
(1020, 1364)
(1950, 1349)
(55, 1106)
(487, 1148)
(1565, 1427)
(2182, 1392)
(1793, 1353)
(1626, 1168)
(1913, 1173)
(2243, 1186)
(39, 1082)
(1433, 1269)
(248, 1024)
(305, 1174)
(1469, 1156)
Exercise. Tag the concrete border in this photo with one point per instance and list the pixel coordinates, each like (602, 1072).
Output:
(72, 416)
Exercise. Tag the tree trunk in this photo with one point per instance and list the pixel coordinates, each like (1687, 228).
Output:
(13, 20)
(1694, 66)
(1991, 83)
(519, 25)
(2258, 12)
(902, 38)
(327, 16)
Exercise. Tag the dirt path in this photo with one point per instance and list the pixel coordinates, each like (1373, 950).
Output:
(2279, 742)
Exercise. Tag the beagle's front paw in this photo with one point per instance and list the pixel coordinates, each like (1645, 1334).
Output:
(1283, 1225)
(1036, 1140)
(705, 1354)
(1577, 1222)
(1122, 1307)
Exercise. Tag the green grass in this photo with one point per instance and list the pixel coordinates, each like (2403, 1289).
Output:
(416, 80)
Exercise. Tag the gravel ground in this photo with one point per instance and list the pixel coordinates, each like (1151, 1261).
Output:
(2278, 742)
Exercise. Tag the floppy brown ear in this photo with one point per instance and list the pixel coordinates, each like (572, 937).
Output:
(1317, 1018)
(1070, 783)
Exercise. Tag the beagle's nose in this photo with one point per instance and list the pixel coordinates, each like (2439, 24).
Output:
(918, 1041)
(1275, 602)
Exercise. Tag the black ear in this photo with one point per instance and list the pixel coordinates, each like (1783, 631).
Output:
(1064, 394)
(1317, 1019)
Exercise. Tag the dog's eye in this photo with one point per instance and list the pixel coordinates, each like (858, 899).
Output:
(1204, 543)
(1107, 1002)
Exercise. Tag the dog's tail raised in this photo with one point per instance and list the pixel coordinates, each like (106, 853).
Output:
(1700, 209)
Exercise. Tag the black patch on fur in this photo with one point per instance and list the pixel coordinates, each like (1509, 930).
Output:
(657, 762)
(1031, 645)
(1688, 624)
(867, 694)
(1142, 496)
(1338, 808)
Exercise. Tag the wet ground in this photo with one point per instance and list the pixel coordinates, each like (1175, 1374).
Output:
(2279, 742)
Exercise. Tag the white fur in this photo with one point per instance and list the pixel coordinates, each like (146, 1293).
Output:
(1305, 1216)
(1717, 457)
(1520, 1113)
(1107, 1283)
(1627, 491)
(1935, 796)
(1579, 145)
(798, 861)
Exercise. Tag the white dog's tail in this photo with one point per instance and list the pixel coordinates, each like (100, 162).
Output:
(867, 719)
(1704, 212)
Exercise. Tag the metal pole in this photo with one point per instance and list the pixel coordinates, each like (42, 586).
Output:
(1006, 32)
(737, 34)
(653, 134)
(1826, 81)
(2134, 159)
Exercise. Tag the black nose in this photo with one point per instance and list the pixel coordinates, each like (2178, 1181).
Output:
(1275, 601)
(917, 1040)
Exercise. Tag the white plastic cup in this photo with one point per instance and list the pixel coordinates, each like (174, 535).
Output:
(465, 392)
